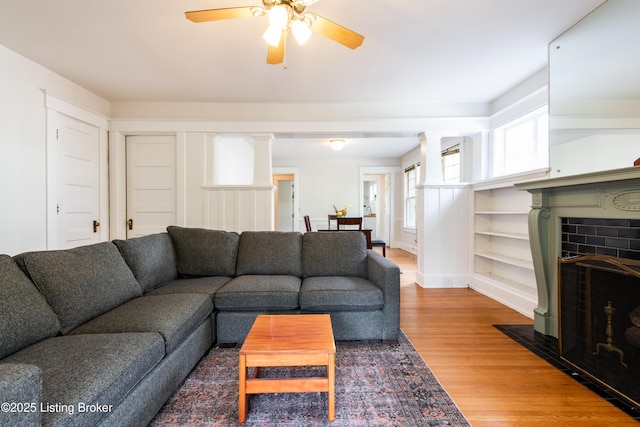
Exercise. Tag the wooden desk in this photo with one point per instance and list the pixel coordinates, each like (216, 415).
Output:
(287, 340)
(366, 231)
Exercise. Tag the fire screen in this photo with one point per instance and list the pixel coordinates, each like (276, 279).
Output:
(599, 321)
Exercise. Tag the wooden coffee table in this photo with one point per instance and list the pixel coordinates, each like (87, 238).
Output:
(287, 340)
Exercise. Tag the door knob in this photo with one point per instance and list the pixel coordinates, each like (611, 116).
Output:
(96, 224)
(130, 224)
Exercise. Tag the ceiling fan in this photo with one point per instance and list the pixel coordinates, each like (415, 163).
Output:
(284, 15)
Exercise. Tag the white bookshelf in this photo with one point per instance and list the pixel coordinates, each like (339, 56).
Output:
(502, 262)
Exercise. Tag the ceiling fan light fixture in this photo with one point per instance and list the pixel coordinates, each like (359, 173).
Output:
(337, 144)
(272, 35)
(301, 31)
(278, 17)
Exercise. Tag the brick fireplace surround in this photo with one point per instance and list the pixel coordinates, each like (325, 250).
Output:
(599, 212)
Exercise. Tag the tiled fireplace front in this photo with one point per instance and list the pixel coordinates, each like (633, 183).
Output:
(601, 236)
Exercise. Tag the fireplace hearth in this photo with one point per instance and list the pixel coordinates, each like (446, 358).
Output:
(599, 321)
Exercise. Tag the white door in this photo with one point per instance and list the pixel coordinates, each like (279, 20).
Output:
(284, 205)
(78, 196)
(151, 184)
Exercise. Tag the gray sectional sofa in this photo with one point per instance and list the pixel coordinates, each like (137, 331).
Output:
(103, 334)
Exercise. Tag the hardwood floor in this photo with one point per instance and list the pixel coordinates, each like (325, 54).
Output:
(493, 380)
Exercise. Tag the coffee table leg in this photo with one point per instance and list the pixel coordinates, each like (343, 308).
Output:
(331, 374)
(242, 395)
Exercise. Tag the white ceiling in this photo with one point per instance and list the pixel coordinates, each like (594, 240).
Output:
(421, 52)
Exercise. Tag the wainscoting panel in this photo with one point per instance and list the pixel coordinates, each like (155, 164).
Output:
(444, 258)
(238, 208)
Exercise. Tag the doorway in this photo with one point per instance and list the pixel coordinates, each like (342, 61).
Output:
(284, 202)
(151, 184)
(377, 195)
(78, 192)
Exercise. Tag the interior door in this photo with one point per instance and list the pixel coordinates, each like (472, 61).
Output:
(78, 195)
(151, 184)
(284, 205)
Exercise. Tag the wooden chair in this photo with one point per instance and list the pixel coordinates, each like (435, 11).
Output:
(350, 223)
(307, 223)
(333, 218)
(381, 243)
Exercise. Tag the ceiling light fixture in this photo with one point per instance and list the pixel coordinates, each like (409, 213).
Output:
(284, 15)
(337, 144)
(301, 30)
(278, 19)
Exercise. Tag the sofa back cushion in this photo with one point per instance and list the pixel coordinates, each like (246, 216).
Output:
(25, 316)
(151, 258)
(270, 252)
(203, 252)
(335, 253)
(83, 282)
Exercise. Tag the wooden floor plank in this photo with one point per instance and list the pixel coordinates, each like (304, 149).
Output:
(494, 380)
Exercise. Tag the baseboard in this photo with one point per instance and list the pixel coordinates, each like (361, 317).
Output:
(406, 247)
(512, 298)
(438, 281)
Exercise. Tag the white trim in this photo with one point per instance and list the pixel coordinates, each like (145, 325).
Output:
(181, 169)
(155, 126)
(79, 113)
(52, 107)
(118, 185)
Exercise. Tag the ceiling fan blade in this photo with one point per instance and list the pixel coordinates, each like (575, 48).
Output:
(225, 13)
(275, 55)
(336, 32)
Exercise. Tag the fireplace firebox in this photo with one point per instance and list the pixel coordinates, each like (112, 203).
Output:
(599, 321)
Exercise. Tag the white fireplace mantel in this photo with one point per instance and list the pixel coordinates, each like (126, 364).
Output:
(606, 194)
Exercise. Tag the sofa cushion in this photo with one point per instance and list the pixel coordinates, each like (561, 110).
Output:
(197, 285)
(82, 283)
(20, 383)
(172, 316)
(258, 293)
(89, 369)
(323, 294)
(25, 316)
(202, 252)
(151, 259)
(337, 253)
(270, 252)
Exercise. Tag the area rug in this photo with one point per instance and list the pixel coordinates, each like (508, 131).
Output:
(377, 384)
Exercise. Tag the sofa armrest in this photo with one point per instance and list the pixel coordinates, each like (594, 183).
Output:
(20, 394)
(386, 274)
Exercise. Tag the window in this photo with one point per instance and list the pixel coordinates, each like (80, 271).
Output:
(522, 144)
(411, 175)
(451, 164)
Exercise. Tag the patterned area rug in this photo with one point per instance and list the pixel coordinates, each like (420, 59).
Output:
(376, 385)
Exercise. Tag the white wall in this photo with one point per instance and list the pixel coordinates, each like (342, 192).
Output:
(23, 147)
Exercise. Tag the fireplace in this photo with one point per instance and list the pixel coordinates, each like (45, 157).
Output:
(600, 211)
(599, 322)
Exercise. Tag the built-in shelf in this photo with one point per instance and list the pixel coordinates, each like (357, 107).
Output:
(518, 262)
(517, 236)
(502, 263)
(501, 213)
(516, 286)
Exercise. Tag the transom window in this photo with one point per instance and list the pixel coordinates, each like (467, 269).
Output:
(521, 145)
